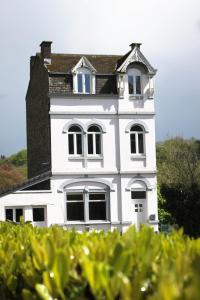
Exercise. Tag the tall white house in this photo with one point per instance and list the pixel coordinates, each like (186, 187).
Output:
(90, 143)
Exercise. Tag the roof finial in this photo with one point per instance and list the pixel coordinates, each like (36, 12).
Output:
(133, 45)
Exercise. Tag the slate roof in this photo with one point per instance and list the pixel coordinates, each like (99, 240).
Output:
(104, 64)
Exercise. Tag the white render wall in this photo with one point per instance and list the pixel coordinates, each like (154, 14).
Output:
(121, 205)
(118, 169)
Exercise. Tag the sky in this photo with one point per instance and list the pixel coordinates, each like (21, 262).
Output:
(168, 30)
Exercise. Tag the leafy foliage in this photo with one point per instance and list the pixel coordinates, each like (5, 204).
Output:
(52, 263)
(179, 180)
(13, 170)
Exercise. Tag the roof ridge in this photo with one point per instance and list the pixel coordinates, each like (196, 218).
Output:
(87, 54)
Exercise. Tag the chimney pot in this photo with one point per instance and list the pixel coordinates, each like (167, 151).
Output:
(45, 49)
(133, 45)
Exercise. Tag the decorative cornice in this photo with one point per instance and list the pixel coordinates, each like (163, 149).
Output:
(136, 56)
(84, 63)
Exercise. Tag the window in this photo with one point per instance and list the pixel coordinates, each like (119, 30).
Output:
(75, 146)
(75, 207)
(86, 206)
(134, 82)
(38, 214)
(14, 214)
(84, 80)
(97, 206)
(94, 137)
(137, 140)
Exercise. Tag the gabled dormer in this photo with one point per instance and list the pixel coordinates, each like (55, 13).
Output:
(83, 77)
(135, 75)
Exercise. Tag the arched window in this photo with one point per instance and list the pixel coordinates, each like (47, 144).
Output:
(137, 139)
(94, 140)
(84, 81)
(134, 82)
(75, 142)
(87, 200)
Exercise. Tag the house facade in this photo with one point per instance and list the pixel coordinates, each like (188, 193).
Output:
(90, 143)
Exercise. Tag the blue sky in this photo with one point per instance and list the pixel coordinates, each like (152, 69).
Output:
(168, 30)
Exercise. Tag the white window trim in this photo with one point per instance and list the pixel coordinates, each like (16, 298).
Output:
(83, 71)
(86, 205)
(137, 153)
(14, 211)
(45, 214)
(133, 72)
(94, 154)
(75, 154)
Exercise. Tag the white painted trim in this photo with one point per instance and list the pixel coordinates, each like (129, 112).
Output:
(84, 63)
(96, 122)
(153, 172)
(136, 122)
(82, 180)
(136, 56)
(73, 122)
(79, 113)
(142, 179)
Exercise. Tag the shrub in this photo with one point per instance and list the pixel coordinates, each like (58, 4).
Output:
(52, 263)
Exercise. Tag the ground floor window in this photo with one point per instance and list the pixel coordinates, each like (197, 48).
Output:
(38, 214)
(87, 206)
(14, 214)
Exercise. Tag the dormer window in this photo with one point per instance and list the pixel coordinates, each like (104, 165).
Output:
(84, 77)
(83, 81)
(134, 82)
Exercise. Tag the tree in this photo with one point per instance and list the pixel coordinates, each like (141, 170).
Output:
(9, 176)
(179, 178)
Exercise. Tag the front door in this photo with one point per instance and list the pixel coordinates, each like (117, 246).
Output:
(139, 207)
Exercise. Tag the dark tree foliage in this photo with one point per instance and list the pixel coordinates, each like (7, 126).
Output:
(179, 179)
(12, 170)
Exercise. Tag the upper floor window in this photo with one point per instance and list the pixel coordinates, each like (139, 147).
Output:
(75, 143)
(137, 139)
(84, 81)
(94, 140)
(134, 82)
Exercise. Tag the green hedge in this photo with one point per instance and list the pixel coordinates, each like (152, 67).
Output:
(53, 263)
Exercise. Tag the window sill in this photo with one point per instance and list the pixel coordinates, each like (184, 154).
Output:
(136, 97)
(94, 157)
(75, 157)
(86, 223)
(138, 156)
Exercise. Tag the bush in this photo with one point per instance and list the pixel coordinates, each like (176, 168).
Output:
(52, 263)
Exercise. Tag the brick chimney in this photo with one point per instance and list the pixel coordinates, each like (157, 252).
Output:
(46, 50)
(133, 45)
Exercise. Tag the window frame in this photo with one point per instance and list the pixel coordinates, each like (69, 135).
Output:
(94, 147)
(83, 72)
(136, 133)
(45, 217)
(74, 134)
(86, 203)
(134, 73)
(14, 212)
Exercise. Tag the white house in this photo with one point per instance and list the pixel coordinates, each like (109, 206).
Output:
(90, 142)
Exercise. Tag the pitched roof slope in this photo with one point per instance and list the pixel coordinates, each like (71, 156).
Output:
(104, 64)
